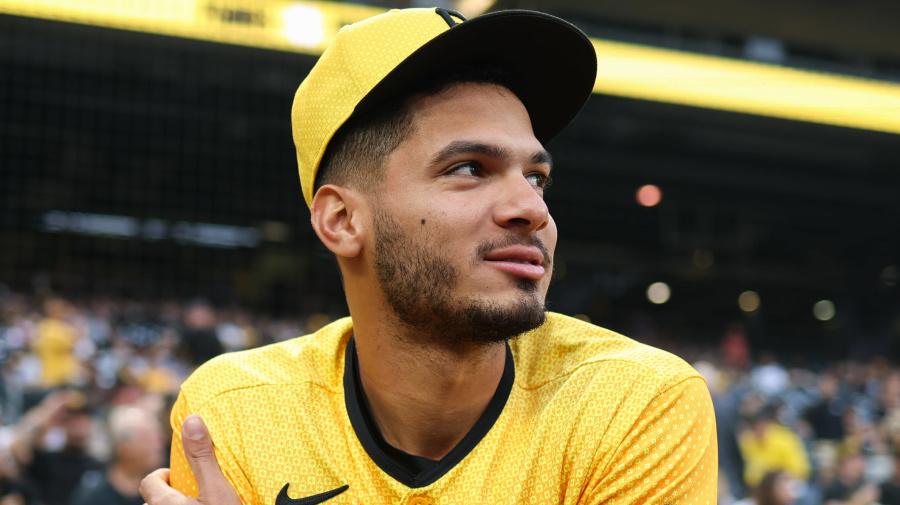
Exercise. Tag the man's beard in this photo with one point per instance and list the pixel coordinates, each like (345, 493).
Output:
(417, 281)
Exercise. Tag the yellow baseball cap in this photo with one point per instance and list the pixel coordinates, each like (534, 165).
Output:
(551, 63)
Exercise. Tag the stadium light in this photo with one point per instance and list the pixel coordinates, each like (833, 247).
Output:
(304, 25)
(648, 195)
(748, 301)
(659, 293)
(824, 310)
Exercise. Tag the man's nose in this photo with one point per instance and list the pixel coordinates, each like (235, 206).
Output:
(521, 206)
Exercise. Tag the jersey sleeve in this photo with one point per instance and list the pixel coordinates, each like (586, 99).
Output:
(669, 456)
(181, 478)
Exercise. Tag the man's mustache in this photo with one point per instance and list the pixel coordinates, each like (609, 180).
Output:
(526, 240)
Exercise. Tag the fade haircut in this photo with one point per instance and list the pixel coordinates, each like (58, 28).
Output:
(356, 154)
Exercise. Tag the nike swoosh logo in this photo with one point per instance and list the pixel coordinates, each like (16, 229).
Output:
(284, 499)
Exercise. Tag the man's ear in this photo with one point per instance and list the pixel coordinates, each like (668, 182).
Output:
(337, 218)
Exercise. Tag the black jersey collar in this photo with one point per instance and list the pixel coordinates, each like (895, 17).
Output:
(415, 471)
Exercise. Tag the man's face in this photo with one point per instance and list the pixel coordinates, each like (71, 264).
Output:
(78, 426)
(463, 241)
(853, 468)
(143, 448)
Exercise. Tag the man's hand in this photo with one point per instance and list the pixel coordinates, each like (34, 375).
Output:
(198, 449)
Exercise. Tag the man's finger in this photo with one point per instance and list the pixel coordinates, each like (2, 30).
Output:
(155, 489)
(200, 454)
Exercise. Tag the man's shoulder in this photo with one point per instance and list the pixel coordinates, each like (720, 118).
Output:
(563, 346)
(316, 358)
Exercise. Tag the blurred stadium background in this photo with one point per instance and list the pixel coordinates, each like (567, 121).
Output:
(731, 192)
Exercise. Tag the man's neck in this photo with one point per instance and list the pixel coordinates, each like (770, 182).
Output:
(425, 398)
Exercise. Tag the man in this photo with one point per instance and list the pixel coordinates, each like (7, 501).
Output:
(850, 487)
(199, 334)
(420, 144)
(55, 471)
(826, 417)
(137, 449)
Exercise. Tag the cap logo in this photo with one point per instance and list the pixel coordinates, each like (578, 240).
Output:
(448, 16)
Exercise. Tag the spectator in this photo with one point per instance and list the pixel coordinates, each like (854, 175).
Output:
(55, 345)
(12, 491)
(137, 450)
(887, 411)
(849, 488)
(12, 494)
(734, 347)
(727, 406)
(826, 417)
(769, 377)
(10, 386)
(890, 490)
(767, 446)
(773, 489)
(55, 470)
(200, 338)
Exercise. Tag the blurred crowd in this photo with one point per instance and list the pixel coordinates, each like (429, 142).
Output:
(86, 388)
(804, 435)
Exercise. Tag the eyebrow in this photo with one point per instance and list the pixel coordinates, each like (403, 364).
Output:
(542, 156)
(458, 147)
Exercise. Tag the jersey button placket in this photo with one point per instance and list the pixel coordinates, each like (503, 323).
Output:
(420, 500)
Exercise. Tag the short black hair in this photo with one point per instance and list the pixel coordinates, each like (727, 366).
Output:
(355, 155)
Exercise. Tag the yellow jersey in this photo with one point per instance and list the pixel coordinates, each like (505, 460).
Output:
(582, 415)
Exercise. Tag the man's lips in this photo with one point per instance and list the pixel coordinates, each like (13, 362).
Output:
(519, 260)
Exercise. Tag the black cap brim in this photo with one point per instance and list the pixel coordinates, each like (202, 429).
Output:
(551, 64)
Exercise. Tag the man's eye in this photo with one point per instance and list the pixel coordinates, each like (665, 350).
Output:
(539, 180)
(467, 168)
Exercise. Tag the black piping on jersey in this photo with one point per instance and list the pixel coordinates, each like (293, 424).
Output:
(448, 15)
(414, 471)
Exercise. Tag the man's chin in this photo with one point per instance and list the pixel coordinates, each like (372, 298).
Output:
(493, 321)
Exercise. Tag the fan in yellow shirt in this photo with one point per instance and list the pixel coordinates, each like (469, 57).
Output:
(55, 345)
(768, 446)
(420, 141)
